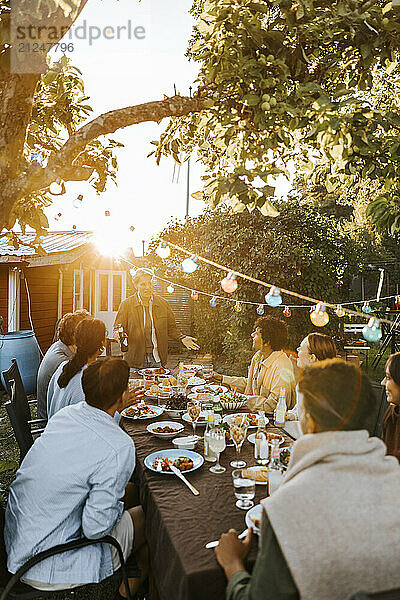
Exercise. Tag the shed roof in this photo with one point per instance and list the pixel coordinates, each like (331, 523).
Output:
(55, 244)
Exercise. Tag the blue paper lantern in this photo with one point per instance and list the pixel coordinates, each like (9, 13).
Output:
(260, 309)
(213, 302)
(372, 332)
(274, 298)
(366, 308)
(170, 289)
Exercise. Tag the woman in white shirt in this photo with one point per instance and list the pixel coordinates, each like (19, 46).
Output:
(65, 386)
(315, 346)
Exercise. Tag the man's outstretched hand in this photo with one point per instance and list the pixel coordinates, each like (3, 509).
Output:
(190, 342)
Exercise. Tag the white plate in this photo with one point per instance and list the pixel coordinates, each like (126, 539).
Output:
(196, 380)
(252, 436)
(177, 426)
(203, 413)
(254, 513)
(212, 387)
(152, 369)
(157, 411)
(150, 395)
(256, 468)
(227, 418)
(173, 454)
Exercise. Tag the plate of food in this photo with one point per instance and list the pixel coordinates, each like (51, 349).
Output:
(270, 436)
(184, 460)
(202, 420)
(154, 371)
(238, 418)
(191, 368)
(284, 455)
(233, 400)
(258, 473)
(165, 429)
(193, 380)
(142, 411)
(210, 388)
(253, 518)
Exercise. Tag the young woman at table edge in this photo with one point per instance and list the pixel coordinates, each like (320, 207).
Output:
(314, 347)
(391, 418)
(332, 527)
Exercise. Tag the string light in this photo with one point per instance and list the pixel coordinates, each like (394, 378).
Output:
(397, 301)
(163, 250)
(77, 202)
(229, 283)
(366, 308)
(194, 295)
(372, 332)
(170, 289)
(107, 213)
(340, 311)
(274, 298)
(37, 157)
(319, 317)
(189, 265)
(287, 312)
(238, 307)
(260, 309)
(213, 302)
(57, 188)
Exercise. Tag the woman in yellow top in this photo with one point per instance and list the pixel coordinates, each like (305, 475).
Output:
(270, 368)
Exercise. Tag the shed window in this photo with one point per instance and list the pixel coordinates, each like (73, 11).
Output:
(78, 290)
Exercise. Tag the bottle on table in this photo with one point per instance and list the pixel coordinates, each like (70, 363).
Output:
(274, 467)
(217, 410)
(209, 455)
(123, 339)
(280, 411)
(261, 441)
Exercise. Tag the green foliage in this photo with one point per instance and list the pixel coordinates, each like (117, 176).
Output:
(313, 82)
(301, 250)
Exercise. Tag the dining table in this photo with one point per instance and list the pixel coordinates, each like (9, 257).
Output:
(179, 524)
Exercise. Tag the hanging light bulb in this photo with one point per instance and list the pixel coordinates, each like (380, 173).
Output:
(372, 332)
(194, 295)
(132, 272)
(229, 283)
(287, 312)
(260, 309)
(274, 298)
(397, 301)
(366, 308)
(170, 289)
(213, 302)
(77, 202)
(163, 250)
(319, 317)
(57, 188)
(189, 265)
(340, 311)
(37, 157)
(238, 307)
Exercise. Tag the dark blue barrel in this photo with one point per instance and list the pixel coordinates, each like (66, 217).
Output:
(23, 346)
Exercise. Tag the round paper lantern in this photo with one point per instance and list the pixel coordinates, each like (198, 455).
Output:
(229, 283)
(319, 317)
(372, 332)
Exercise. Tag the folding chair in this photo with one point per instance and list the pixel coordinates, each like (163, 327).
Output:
(13, 374)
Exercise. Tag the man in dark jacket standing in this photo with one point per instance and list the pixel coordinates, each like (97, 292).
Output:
(148, 321)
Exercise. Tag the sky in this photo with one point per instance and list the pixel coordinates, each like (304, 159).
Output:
(124, 72)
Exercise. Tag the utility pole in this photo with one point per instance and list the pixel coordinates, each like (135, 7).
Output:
(188, 187)
(143, 243)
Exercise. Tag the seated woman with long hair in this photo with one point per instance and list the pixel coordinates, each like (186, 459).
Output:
(65, 386)
(391, 419)
(332, 527)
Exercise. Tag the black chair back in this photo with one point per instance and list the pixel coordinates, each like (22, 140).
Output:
(13, 374)
(19, 423)
(381, 407)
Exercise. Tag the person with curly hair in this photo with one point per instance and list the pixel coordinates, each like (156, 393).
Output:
(391, 418)
(270, 368)
(60, 351)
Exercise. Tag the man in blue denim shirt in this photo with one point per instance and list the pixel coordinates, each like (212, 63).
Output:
(70, 485)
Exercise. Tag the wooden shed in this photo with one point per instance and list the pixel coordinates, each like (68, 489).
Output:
(36, 290)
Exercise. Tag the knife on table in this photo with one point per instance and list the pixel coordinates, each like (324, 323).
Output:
(179, 474)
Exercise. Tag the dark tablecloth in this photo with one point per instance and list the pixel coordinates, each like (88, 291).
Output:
(179, 524)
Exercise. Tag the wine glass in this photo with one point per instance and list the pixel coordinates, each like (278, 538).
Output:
(194, 410)
(238, 435)
(183, 380)
(245, 488)
(217, 444)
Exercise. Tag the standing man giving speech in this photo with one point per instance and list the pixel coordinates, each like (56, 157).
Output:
(148, 322)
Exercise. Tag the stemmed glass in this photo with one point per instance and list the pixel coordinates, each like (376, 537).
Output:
(245, 489)
(217, 444)
(194, 410)
(238, 435)
(183, 380)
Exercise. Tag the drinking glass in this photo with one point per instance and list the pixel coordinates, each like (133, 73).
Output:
(245, 489)
(238, 435)
(149, 380)
(162, 398)
(194, 410)
(183, 380)
(217, 444)
(207, 369)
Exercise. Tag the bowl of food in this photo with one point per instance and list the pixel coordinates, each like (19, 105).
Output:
(188, 442)
(176, 406)
(232, 401)
(165, 429)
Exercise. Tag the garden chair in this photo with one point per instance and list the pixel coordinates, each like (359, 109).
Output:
(23, 432)
(12, 588)
(13, 374)
(387, 595)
